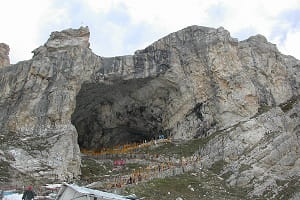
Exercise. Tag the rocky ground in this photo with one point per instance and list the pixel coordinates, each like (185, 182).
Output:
(191, 183)
(194, 182)
(181, 175)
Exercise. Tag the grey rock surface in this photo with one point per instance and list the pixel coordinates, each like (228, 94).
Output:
(197, 82)
(4, 55)
(36, 103)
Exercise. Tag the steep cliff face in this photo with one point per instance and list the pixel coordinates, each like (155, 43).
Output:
(36, 104)
(197, 82)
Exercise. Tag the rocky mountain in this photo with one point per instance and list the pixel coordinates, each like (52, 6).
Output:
(4, 52)
(198, 82)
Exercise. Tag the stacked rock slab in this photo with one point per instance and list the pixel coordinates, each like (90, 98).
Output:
(197, 82)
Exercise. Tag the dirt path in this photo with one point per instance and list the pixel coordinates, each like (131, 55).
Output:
(155, 166)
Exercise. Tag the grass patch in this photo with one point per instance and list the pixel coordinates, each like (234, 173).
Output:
(92, 170)
(287, 106)
(218, 166)
(178, 150)
(262, 109)
(129, 168)
(187, 186)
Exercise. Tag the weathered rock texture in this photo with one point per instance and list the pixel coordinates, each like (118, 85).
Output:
(4, 52)
(197, 82)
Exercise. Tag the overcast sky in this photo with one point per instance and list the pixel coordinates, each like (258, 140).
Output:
(119, 27)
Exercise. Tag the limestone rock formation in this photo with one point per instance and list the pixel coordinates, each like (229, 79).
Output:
(4, 52)
(197, 82)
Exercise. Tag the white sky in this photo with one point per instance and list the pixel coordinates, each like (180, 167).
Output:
(120, 27)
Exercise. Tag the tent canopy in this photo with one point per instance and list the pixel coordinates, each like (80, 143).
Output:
(69, 192)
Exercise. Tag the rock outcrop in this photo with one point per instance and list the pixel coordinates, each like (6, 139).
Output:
(197, 82)
(4, 52)
(36, 104)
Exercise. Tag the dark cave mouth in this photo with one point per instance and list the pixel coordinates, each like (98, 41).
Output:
(121, 113)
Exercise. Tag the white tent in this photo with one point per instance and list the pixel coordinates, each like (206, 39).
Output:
(70, 192)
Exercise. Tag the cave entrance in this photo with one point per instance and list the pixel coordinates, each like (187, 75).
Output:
(107, 115)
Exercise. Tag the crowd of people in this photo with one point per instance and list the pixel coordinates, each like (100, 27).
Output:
(121, 149)
(150, 171)
(155, 169)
